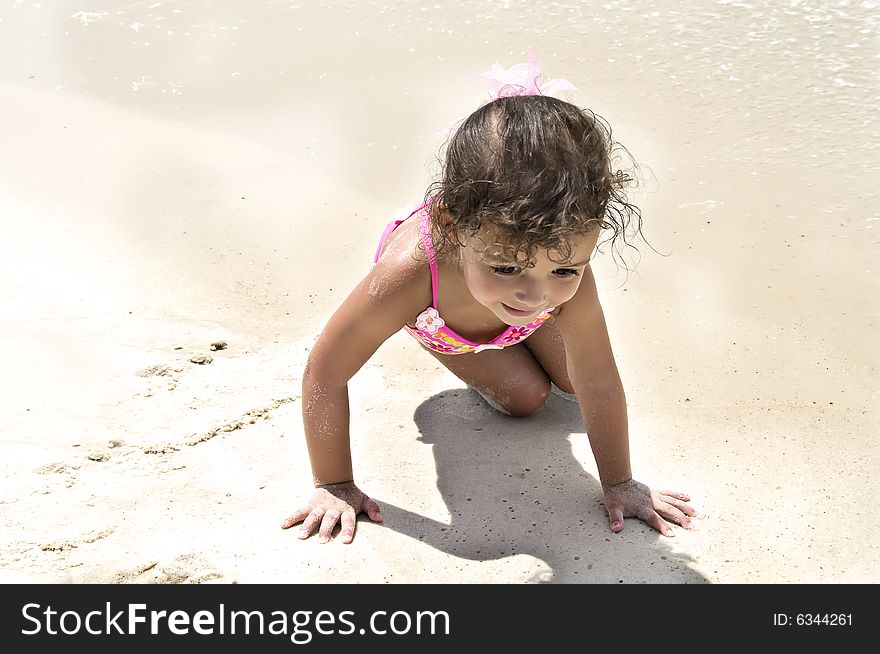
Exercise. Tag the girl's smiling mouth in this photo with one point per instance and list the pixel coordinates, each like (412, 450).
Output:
(519, 313)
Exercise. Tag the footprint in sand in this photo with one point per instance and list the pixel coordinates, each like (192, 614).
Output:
(67, 470)
(173, 372)
(160, 370)
(184, 569)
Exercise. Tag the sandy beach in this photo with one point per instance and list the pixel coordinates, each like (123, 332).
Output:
(189, 189)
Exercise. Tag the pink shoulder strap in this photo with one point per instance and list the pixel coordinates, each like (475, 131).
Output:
(425, 229)
(390, 227)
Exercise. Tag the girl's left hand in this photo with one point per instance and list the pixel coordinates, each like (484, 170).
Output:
(633, 499)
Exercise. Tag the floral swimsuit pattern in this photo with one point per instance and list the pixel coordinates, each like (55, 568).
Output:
(431, 329)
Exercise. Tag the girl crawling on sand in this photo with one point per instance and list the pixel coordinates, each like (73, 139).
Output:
(491, 274)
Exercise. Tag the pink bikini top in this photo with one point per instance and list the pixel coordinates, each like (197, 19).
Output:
(430, 328)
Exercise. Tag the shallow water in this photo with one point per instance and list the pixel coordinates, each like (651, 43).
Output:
(756, 122)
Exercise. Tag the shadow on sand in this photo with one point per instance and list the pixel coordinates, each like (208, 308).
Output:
(514, 486)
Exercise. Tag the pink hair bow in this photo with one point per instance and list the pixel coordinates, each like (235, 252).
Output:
(519, 79)
(522, 79)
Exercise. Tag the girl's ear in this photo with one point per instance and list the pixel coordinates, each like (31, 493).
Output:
(445, 218)
(446, 222)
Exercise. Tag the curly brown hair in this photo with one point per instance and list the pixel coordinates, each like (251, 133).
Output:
(537, 169)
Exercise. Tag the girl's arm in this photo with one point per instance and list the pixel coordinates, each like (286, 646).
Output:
(377, 308)
(593, 373)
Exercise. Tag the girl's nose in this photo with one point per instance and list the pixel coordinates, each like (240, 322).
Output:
(531, 295)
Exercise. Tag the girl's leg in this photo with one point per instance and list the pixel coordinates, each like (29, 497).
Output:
(510, 380)
(515, 380)
(548, 348)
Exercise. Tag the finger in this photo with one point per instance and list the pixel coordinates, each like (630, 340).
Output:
(615, 517)
(687, 509)
(327, 525)
(673, 513)
(310, 523)
(299, 516)
(676, 494)
(372, 510)
(348, 523)
(658, 523)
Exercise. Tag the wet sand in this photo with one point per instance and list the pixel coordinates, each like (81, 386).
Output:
(181, 174)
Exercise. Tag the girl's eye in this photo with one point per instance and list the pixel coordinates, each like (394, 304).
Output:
(505, 270)
(567, 272)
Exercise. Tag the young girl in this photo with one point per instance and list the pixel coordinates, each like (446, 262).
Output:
(491, 275)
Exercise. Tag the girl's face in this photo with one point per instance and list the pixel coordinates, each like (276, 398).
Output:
(517, 291)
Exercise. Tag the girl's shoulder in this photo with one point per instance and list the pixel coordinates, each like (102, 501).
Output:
(402, 270)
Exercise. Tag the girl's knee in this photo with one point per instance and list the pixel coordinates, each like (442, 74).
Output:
(530, 403)
(521, 403)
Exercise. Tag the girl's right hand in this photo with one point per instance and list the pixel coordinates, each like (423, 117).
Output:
(332, 503)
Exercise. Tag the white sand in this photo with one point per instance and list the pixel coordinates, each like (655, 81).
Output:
(223, 174)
